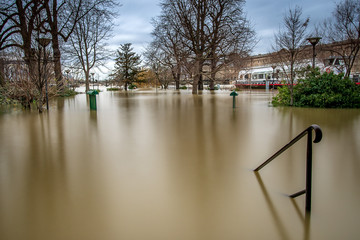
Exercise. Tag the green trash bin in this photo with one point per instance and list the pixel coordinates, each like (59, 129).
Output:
(92, 97)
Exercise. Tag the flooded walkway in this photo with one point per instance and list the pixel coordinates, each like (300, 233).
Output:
(176, 166)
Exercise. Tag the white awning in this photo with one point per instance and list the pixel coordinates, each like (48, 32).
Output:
(262, 70)
(256, 70)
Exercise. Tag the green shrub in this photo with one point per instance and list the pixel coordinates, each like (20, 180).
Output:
(325, 90)
(68, 93)
(113, 89)
(283, 97)
(183, 87)
(132, 86)
(216, 87)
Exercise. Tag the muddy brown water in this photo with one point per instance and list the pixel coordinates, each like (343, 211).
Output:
(170, 165)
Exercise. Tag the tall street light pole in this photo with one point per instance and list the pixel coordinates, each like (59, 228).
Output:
(44, 42)
(273, 76)
(93, 79)
(67, 77)
(314, 41)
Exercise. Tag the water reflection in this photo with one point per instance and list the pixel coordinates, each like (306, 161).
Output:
(175, 166)
(277, 220)
(305, 218)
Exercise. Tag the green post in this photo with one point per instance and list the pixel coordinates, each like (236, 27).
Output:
(92, 97)
(234, 94)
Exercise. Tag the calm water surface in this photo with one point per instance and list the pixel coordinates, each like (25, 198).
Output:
(175, 166)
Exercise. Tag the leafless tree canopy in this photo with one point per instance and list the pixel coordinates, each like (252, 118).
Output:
(344, 27)
(206, 32)
(86, 48)
(290, 42)
(24, 20)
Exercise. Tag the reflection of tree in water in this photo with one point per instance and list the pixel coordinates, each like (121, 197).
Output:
(280, 225)
(45, 174)
(277, 220)
(325, 118)
(338, 123)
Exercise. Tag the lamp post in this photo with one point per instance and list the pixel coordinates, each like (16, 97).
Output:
(314, 41)
(44, 42)
(67, 76)
(92, 74)
(273, 76)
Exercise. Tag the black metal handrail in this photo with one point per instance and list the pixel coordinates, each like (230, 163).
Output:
(318, 137)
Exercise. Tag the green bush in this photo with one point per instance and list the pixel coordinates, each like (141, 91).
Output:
(216, 87)
(6, 101)
(113, 89)
(132, 86)
(325, 90)
(68, 93)
(283, 97)
(183, 87)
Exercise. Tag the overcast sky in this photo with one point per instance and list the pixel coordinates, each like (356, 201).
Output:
(133, 25)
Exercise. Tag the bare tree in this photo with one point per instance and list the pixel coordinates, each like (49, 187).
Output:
(230, 33)
(167, 49)
(87, 47)
(162, 66)
(344, 27)
(188, 18)
(21, 26)
(210, 31)
(18, 24)
(290, 42)
(21, 20)
(20, 85)
(62, 17)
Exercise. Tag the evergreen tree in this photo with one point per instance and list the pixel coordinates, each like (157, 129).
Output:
(126, 65)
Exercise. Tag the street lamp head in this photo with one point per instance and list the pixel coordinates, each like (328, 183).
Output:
(314, 40)
(43, 41)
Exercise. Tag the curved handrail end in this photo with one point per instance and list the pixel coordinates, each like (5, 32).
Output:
(318, 132)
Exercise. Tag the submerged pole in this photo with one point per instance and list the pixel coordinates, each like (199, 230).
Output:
(308, 171)
(234, 94)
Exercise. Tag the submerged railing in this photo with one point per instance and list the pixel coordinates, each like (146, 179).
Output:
(318, 137)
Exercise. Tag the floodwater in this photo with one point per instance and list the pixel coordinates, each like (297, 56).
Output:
(170, 165)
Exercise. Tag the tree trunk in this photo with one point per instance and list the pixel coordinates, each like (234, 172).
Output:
(87, 82)
(177, 79)
(212, 82)
(292, 76)
(177, 82)
(212, 75)
(57, 64)
(2, 70)
(52, 18)
(196, 77)
(201, 82)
